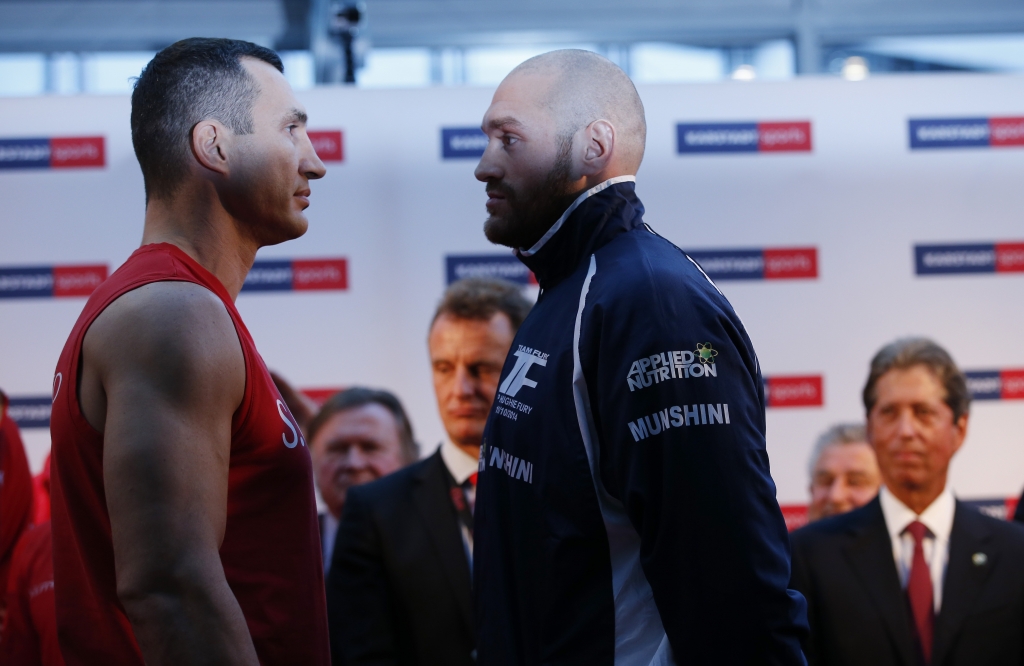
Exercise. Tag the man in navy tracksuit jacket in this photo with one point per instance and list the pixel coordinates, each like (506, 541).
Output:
(625, 512)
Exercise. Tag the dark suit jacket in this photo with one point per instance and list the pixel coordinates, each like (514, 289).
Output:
(399, 586)
(860, 616)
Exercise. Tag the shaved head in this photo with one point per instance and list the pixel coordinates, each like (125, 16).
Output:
(587, 87)
(558, 125)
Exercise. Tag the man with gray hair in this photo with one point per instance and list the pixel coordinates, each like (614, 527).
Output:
(626, 513)
(844, 472)
(915, 576)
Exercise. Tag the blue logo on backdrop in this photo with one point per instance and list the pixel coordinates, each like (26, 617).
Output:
(462, 142)
(717, 138)
(31, 412)
(24, 154)
(985, 384)
(731, 264)
(506, 267)
(949, 133)
(273, 275)
(31, 282)
(939, 259)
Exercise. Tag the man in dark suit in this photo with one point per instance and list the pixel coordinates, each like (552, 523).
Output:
(399, 590)
(915, 577)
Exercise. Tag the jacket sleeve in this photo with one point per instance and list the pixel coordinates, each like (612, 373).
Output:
(803, 582)
(678, 408)
(359, 600)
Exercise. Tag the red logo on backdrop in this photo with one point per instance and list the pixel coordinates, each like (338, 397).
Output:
(319, 395)
(795, 391)
(1010, 257)
(797, 262)
(779, 137)
(1006, 131)
(795, 515)
(319, 274)
(77, 280)
(85, 151)
(1012, 384)
(328, 145)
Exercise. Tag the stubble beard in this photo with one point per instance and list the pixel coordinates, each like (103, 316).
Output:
(532, 210)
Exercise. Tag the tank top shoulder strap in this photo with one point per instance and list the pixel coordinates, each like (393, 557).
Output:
(157, 262)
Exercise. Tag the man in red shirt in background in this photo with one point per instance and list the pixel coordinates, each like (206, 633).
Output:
(30, 631)
(184, 515)
(15, 495)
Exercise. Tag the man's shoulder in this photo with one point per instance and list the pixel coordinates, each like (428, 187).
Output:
(839, 528)
(394, 487)
(1007, 533)
(643, 269)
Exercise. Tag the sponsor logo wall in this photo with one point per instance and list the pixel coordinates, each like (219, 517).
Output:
(50, 281)
(53, 153)
(298, 275)
(759, 225)
(966, 132)
(969, 258)
(753, 137)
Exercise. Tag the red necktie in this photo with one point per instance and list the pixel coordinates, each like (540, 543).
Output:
(920, 592)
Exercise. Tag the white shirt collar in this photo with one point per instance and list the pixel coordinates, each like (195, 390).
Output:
(938, 517)
(568, 211)
(459, 463)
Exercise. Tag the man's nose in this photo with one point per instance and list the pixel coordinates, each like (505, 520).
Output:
(464, 384)
(837, 491)
(310, 165)
(487, 169)
(354, 458)
(906, 427)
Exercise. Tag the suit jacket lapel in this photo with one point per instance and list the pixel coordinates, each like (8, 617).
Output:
(870, 556)
(965, 578)
(430, 495)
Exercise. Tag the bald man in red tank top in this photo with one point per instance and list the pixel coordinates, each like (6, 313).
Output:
(184, 520)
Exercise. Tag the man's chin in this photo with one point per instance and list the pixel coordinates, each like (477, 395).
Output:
(497, 230)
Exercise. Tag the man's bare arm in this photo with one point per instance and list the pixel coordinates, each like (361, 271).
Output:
(162, 375)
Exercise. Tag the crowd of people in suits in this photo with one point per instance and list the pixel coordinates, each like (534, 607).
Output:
(894, 568)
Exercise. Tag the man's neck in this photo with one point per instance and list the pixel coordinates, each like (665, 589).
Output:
(472, 450)
(196, 223)
(914, 498)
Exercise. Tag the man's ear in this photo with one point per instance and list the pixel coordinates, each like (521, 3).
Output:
(210, 141)
(598, 146)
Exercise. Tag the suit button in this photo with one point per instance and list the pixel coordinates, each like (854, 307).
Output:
(979, 559)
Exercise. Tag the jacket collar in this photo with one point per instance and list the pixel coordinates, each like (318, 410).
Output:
(593, 219)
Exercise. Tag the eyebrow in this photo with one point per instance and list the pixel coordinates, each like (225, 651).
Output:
(506, 122)
(296, 116)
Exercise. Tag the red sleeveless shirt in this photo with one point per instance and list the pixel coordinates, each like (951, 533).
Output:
(271, 549)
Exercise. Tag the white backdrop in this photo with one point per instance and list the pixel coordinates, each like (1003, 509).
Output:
(395, 209)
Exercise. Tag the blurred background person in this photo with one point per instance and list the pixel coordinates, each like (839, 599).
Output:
(844, 472)
(915, 576)
(359, 435)
(15, 495)
(29, 636)
(399, 591)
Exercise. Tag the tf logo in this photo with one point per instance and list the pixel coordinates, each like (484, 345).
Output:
(517, 379)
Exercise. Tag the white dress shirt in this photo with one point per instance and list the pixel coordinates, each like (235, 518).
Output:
(461, 466)
(938, 518)
(329, 535)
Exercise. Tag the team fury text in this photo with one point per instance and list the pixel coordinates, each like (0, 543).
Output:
(677, 417)
(667, 365)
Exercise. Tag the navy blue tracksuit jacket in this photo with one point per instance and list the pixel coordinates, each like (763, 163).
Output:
(625, 511)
